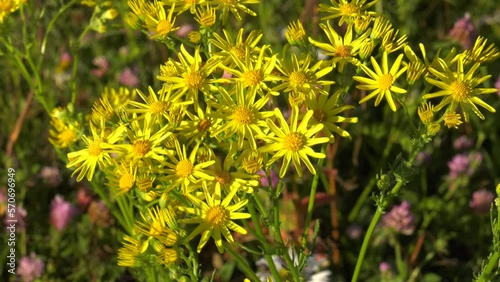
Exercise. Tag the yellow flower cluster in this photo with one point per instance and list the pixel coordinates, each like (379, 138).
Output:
(191, 149)
(8, 7)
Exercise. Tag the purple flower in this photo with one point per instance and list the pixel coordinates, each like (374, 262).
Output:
(400, 219)
(463, 143)
(481, 201)
(354, 231)
(62, 213)
(464, 32)
(458, 165)
(264, 181)
(30, 268)
(102, 65)
(384, 267)
(128, 78)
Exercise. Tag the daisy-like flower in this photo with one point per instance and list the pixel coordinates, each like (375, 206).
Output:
(459, 88)
(452, 119)
(346, 10)
(293, 142)
(301, 78)
(99, 148)
(159, 223)
(480, 54)
(194, 75)
(155, 105)
(295, 33)
(237, 47)
(235, 6)
(62, 134)
(206, 17)
(146, 141)
(326, 111)
(254, 75)
(131, 250)
(183, 169)
(227, 179)
(142, 9)
(122, 178)
(381, 81)
(199, 125)
(215, 217)
(343, 50)
(161, 23)
(242, 114)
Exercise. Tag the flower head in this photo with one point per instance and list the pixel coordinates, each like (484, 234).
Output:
(381, 81)
(295, 33)
(400, 219)
(345, 9)
(30, 268)
(215, 216)
(293, 141)
(464, 32)
(61, 213)
(481, 201)
(459, 89)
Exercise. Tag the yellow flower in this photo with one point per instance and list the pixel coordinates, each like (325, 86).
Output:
(156, 106)
(206, 17)
(143, 9)
(345, 9)
(325, 111)
(131, 250)
(194, 75)
(7, 7)
(235, 6)
(301, 78)
(146, 141)
(391, 43)
(381, 26)
(243, 115)
(184, 5)
(381, 81)
(63, 134)
(194, 37)
(254, 75)
(215, 217)
(452, 119)
(426, 112)
(237, 47)
(183, 170)
(226, 179)
(479, 54)
(343, 50)
(122, 178)
(160, 23)
(293, 142)
(98, 151)
(199, 125)
(460, 89)
(295, 33)
(158, 223)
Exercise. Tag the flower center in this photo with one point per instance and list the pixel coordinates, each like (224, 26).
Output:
(242, 115)
(158, 107)
(204, 125)
(141, 148)
(319, 115)
(126, 181)
(193, 80)
(164, 27)
(348, 9)
(252, 78)
(297, 78)
(238, 51)
(184, 168)
(5, 6)
(343, 51)
(223, 177)
(95, 148)
(217, 215)
(67, 136)
(294, 141)
(385, 81)
(460, 90)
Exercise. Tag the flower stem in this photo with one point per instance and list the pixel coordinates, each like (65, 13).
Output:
(242, 263)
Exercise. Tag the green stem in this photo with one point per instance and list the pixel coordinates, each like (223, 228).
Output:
(52, 22)
(104, 197)
(242, 263)
(371, 228)
(277, 232)
(262, 239)
(399, 261)
(492, 263)
(76, 47)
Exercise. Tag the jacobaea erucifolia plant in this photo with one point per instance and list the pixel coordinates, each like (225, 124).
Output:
(209, 152)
